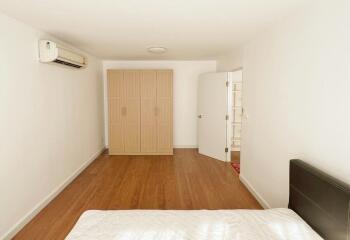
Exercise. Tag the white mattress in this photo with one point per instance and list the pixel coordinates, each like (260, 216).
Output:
(190, 225)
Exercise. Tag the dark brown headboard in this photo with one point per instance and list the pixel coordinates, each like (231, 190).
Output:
(321, 200)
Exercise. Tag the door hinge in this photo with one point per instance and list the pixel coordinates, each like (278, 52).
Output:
(226, 149)
(227, 117)
(226, 83)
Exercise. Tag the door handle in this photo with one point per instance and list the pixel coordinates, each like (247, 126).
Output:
(156, 111)
(200, 116)
(123, 111)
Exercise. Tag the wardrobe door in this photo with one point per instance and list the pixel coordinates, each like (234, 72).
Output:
(116, 111)
(164, 111)
(148, 111)
(132, 111)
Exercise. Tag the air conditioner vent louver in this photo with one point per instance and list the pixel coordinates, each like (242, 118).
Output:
(67, 63)
(51, 52)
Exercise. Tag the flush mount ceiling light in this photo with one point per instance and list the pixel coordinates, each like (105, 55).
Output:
(157, 50)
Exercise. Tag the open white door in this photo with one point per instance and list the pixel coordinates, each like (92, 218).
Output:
(213, 113)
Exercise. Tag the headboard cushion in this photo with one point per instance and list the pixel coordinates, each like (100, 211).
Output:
(321, 200)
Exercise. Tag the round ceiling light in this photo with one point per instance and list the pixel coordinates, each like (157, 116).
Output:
(157, 50)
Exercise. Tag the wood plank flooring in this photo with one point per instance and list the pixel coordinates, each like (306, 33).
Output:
(186, 180)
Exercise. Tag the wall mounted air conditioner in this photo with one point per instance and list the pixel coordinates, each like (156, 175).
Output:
(51, 52)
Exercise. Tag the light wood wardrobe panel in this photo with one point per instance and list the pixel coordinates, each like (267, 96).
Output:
(132, 111)
(164, 111)
(140, 112)
(148, 111)
(115, 107)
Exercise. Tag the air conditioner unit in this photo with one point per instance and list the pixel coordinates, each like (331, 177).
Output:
(51, 52)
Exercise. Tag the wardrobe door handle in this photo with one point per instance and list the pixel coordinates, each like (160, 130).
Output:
(156, 111)
(123, 111)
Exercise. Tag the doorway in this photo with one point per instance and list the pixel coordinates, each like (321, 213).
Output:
(236, 119)
(220, 116)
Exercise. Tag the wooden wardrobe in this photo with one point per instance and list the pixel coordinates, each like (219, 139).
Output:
(140, 110)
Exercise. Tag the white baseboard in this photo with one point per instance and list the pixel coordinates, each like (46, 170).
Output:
(185, 146)
(251, 189)
(32, 213)
(178, 146)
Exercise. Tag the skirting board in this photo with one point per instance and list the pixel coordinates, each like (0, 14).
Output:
(177, 146)
(251, 189)
(32, 213)
(185, 146)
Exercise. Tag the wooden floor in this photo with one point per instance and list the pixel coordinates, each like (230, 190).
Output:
(186, 180)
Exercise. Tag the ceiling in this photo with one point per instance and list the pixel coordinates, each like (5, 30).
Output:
(124, 29)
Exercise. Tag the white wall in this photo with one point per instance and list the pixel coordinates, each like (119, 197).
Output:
(230, 61)
(184, 91)
(51, 123)
(296, 81)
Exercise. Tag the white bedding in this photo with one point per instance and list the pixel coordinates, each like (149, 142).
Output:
(191, 225)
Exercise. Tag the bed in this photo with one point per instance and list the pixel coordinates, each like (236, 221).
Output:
(318, 209)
